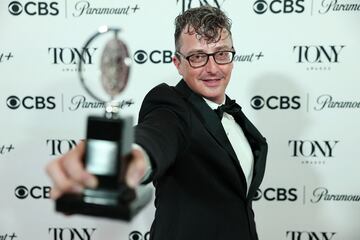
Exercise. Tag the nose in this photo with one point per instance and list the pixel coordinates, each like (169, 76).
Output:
(211, 66)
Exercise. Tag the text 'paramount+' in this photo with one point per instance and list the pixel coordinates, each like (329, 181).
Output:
(81, 102)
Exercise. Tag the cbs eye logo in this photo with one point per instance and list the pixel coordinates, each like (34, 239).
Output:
(15, 8)
(258, 195)
(260, 6)
(136, 235)
(257, 102)
(13, 102)
(140, 56)
(21, 192)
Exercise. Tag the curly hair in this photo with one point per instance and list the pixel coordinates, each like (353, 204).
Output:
(206, 21)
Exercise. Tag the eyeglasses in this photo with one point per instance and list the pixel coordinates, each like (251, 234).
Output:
(198, 60)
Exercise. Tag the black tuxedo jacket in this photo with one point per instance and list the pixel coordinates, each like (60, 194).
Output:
(200, 186)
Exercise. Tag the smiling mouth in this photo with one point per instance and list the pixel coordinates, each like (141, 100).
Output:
(210, 79)
(211, 82)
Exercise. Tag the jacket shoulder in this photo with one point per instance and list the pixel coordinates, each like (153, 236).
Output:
(163, 96)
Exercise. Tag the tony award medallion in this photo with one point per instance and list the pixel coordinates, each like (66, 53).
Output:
(109, 137)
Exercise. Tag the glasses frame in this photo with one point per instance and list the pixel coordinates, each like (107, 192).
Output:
(208, 56)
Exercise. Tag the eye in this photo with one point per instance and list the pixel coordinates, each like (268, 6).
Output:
(198, 57)
(222, 55)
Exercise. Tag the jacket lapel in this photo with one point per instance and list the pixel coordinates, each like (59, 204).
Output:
(213, 125)
(259, 148)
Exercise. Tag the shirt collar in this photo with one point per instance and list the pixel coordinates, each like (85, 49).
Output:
(213, 105)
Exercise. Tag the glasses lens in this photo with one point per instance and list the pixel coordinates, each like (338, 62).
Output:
(198, 59)
(223, 57)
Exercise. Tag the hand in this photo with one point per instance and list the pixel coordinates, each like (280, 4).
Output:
(69, 175)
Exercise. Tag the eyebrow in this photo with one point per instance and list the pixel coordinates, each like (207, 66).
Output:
(219, 48)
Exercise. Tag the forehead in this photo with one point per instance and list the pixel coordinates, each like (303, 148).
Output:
(191, 41)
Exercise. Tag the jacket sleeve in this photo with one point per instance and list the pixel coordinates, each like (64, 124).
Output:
(163, 127)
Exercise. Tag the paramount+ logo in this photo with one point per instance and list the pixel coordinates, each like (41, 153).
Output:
(275, 102)
(279, 6)
(34, 8)
(31, 102)
(8, 236)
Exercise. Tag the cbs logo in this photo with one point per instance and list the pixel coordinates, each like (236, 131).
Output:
(155, 56)
(29, 102)
(36, 192)
(279, 6)
(277, 194)
(275, 102)
(33, 8)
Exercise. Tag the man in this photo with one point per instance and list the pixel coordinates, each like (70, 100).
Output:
(205, 165)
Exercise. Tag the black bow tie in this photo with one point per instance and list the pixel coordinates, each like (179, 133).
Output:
(229, 107)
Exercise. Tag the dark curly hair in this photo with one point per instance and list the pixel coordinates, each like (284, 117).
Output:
(206, 21)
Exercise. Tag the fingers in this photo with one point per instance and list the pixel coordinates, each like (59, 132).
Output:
(136, 169)
(61, 182)
(68, 173)
(74, 168)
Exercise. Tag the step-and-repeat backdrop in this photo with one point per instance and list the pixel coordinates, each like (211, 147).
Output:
(296, 75)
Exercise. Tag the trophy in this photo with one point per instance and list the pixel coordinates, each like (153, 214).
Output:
(109, 140)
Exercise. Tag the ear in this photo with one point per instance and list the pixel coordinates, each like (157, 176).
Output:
(177, 63)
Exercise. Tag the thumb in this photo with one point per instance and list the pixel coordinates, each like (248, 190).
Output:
(136, 169)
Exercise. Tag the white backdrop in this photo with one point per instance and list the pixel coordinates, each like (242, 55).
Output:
(296, 76)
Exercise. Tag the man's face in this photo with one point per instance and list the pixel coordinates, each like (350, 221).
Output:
(209, 81)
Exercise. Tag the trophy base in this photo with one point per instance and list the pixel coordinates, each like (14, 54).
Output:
(122, 205)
